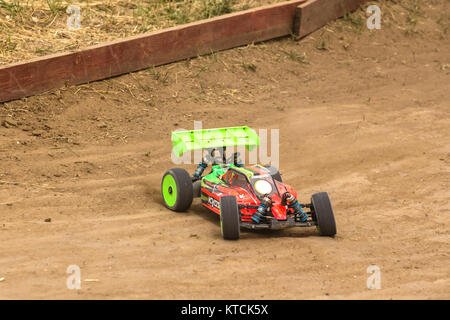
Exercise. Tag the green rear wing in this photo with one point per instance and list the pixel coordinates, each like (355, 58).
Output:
(213, 138)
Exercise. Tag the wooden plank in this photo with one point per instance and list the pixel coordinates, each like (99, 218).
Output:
(314, 14)
(151, 49)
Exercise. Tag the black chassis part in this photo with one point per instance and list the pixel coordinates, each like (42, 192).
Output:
(278, 224)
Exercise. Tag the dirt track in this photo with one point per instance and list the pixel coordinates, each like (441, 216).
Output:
(366, 120)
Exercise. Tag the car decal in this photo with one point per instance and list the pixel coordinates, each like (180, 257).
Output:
(213, 202)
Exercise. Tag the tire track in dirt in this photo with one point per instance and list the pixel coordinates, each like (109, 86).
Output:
(153, 243)
(368, 123)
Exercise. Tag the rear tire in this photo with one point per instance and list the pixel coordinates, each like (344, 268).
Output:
(229, 218)
(197, 186)
(323, 213)
(176, 189)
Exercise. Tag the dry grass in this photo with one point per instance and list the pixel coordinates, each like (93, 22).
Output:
(34, 28)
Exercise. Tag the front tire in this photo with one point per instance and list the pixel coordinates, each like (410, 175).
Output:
(229, 218)
(323, 213)
(177, 190)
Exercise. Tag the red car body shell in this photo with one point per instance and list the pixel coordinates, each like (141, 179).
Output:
(245, 198)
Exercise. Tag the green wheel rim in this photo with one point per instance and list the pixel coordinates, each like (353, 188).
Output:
(169, 190)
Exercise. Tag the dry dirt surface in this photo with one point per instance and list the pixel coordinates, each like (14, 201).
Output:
(363, 115)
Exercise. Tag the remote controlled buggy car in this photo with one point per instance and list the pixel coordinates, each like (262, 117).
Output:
(252, 197)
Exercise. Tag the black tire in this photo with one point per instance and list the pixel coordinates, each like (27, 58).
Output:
(229, 218)
(184, 189)
(275, 173)
(197, 187)
(323, 214)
